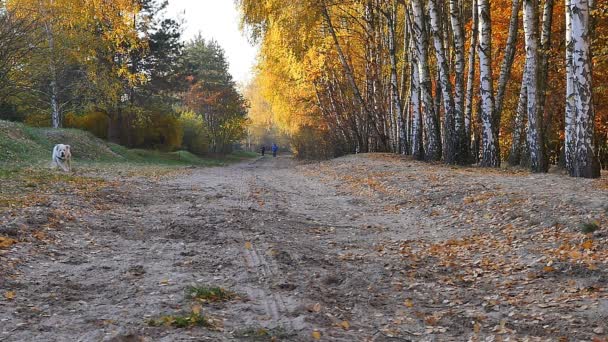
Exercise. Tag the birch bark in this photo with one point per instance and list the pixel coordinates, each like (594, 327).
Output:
(534, 136)
(585, 163)
(450, 147)
(490, 144)
(431, 127)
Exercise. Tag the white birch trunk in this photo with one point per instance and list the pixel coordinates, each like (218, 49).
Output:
(395, 92)
(471, 75)
(459, 85)
(416, 136)
(518, 125)
(490, 147)
(570, 119)
(433, 141)
(450, 147)
(509, 56)
(55, 114)
(535, 141)
(585, 163)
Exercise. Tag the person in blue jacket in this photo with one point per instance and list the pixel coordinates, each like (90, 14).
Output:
(275, 148)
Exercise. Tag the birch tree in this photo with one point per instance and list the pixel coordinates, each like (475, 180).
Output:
(451, 141)
(459, 84)
(582, 161)
(395, 89)
(508, 58)
(534, 136)
(471, 74)
(433, 142)
(490, 144)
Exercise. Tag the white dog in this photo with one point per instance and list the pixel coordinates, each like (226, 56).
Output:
(62, 157)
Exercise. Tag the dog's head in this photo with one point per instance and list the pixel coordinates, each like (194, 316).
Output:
(63, 151)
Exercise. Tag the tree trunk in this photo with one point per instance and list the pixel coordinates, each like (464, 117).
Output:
(545, 45)
(459, 86)
(55, 113)
(535, 140)
(347, 70)
(490, 143)
(433, 142)
(450, 147)
(416, 136)
(395, 92)
(518, 126)
(471, 76)
(584, 161)
(507, 62)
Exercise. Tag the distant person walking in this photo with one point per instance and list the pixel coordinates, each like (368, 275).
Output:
(263, 150)
(275, 148)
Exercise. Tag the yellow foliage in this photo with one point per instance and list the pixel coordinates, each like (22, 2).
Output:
(38, 120)
(95, 122)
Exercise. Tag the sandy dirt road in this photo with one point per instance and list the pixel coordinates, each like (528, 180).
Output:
(349, 250)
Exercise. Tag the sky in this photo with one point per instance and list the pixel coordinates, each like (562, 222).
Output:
(219, 20)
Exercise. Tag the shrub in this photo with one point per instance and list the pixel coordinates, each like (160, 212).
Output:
(195, 139)
(95, 122)
(38, 120)
(313, 143)
(157, 130)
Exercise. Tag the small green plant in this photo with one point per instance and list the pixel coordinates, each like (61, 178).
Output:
(209, 294)
(262, 334)
(589, 227)
(183, 321)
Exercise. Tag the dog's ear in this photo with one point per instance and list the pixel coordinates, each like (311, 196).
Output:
(68, 147)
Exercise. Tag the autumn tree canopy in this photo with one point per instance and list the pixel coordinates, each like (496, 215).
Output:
(472, 81)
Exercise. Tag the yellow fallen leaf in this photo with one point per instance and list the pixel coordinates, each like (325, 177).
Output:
(316, 335)
(196, 309)
(6, 242)
(477, 327)
(409, 303)
(575, 254)
(587, 244)
(10, 295)
(345, 325)
(164, 282)
(248, 245)
(548, 269)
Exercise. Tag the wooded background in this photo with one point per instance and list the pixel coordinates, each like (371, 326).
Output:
(462, 81)
(120, 70)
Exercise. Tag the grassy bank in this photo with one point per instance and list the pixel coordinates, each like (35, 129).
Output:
(27, 179)
(22, 146)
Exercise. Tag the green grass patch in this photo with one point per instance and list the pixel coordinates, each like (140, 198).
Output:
(589, 227)
(262, 334)
(181, 321)
(209, 294)
(23, 146)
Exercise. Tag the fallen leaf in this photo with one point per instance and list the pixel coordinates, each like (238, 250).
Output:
(316, 307)
(248, 245)
(409, 303)
(548, 269)
(196, 309)
(587, 244)
(10, 295)
(477, 327)
(6, 242)
(345, 325)
(316, 334)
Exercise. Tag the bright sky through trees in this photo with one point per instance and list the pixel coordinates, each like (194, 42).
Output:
(219, 20)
